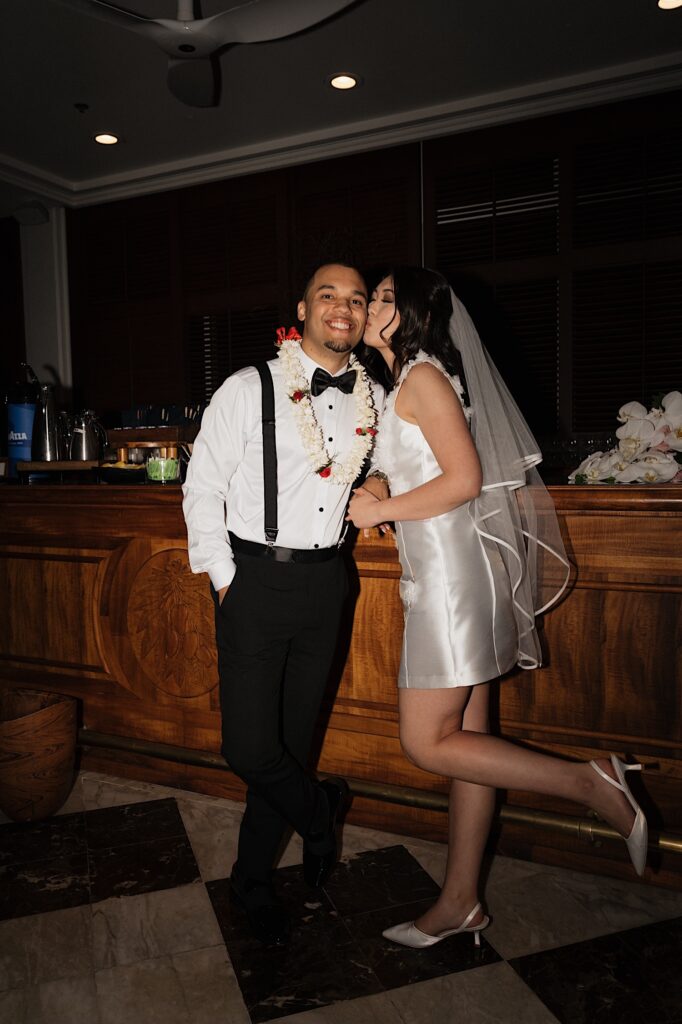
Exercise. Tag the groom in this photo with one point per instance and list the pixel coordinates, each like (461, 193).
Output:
(278, 605)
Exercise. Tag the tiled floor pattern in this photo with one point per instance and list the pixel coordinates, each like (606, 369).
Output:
(116, 910)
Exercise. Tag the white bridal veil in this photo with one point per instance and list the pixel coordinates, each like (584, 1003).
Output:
(514, 512)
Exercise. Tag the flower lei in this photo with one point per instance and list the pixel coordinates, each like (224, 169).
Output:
(343, 471)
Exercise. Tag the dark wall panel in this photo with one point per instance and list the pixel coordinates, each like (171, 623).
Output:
(13, 345)
(562, 235)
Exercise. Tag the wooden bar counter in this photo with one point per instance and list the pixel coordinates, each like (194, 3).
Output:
(98, 601)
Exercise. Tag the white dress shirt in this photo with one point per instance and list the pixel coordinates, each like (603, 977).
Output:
(224, 486)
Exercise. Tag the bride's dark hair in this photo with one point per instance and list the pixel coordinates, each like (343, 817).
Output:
(422, 299)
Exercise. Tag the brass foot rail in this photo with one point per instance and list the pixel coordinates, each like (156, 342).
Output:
(588, 829)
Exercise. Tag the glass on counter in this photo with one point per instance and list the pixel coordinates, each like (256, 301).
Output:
(163, 465)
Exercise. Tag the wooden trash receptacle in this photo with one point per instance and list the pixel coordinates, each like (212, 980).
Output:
(37, 752)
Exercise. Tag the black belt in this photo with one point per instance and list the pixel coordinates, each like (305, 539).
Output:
(278, 554)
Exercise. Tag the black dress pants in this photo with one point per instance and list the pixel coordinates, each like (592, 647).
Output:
(276, 633)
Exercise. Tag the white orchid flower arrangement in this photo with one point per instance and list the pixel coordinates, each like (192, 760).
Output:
(649, 447)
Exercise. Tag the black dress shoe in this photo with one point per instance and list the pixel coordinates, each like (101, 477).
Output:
(319, 848)
(268, 920)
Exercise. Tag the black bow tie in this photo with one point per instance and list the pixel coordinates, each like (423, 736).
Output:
(323, 380)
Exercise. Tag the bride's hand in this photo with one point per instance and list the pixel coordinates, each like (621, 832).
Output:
(364, 511)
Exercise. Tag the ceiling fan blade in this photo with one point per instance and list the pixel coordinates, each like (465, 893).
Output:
(191, 44)
(104, 11)
(195, 82)
(256, 21)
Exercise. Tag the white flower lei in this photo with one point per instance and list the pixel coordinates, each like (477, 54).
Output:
(343, 471)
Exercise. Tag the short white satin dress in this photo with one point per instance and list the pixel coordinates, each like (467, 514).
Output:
(455, 590)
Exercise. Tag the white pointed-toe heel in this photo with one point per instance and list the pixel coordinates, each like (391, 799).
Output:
(638, 839)
(407, 933)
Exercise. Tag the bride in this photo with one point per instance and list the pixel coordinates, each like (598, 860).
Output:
(481, 556)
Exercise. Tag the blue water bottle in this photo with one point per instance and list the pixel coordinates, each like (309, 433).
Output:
(21, 407)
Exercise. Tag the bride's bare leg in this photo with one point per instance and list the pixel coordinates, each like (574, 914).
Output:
(433, 735)
(470, 814)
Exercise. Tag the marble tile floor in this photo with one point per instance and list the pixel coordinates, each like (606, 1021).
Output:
(116, 910)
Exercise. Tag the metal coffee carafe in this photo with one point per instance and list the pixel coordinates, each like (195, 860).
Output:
(88, 437)
(65, 425)
(45, 439)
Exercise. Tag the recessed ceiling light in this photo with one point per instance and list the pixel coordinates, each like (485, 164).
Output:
(344, 80)
(106, 139)
(669, 5)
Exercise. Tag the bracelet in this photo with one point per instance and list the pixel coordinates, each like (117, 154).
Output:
(378, 475)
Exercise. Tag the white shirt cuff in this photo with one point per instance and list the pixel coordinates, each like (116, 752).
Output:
(221, 574)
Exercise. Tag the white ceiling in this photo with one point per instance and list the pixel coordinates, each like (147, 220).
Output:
(429, 67)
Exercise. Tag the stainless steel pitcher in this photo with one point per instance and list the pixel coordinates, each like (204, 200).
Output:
(88, 437)
(45, 439)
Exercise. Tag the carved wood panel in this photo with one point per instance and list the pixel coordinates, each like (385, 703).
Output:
(170, 625)
(158, 617)
(51, 600)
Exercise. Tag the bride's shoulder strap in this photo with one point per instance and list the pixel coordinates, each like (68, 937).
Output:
(424, 358)
(418, 360)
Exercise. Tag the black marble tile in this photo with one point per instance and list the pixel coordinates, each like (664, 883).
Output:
(337, 951)
(309, 983)
(44, 885)
(133, 823)
(396, 965)
(115, 851)
(614, 979)
(24, 842)
(141, 867)
(379, 878)
(315, 922)
(659, 947)
(319, 966)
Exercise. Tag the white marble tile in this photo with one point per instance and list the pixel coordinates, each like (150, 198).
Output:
(487, 995)
(210, 987)
(109, 791)
(431, 856)
(13, 1006)
(378, 1009)
(536, 907)
(66, 1001)
(152, 925)
(99, 788)
(74, 801)
(45, 947)
(210, 801)
(215, 852)
(198, 987)
(208, 816)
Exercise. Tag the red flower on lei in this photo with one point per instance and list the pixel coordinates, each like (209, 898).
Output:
(325, 471)
(290, 335)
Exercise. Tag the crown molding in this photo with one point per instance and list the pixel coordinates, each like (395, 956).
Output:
(604, 85)
(36, 182)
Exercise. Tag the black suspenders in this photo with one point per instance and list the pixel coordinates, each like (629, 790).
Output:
(269, 453)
